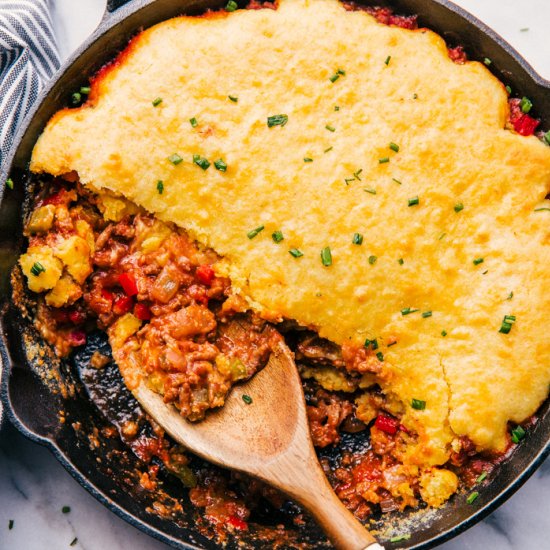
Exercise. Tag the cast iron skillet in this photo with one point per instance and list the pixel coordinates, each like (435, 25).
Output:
(46, 400)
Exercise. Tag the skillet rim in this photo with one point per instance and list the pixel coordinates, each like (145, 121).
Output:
(117, 12)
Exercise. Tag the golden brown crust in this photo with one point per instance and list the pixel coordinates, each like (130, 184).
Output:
(449, 121)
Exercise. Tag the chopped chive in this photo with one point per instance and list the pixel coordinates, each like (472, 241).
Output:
(401, 261)
(508, 89)
(380, 356)
(336, 76)
(220, 165)
(481, 477)
(73, 542)
(525, 29)
(418, 404)
(373, 344)
(85, 90)
(408, 311)
(356, 174)
(157, 101)
(443, 333)
(546, 137)
(201, 162)
(349, 180)
(295, 252)
(9, 183)
(330, 128)
(194, 122)
(442, 236)
(505, 327)
(413, 201)
(510, 296)
(472, 497)
(518, 433)
(328, 149)
(336, 108)
(247, 399)
(400, 538)
(372, 260)
(233, 98)
(76, 98)
(426, 314)
(175, 159)
(231, 6)
(478, 261)
(415, 96)
(326, 256)
(37, 268)
(388, 59)
(542, 209)
(277, 120)
(397, 181)
(308, 159)
(525, 105)
(357, 239)
(458, 207)
(394, 147)
(370, 190)
(253, 232)
(392, 344)
(487, 61)
(66, 509)
(160, 187)
(277, 236)
(384, 160)
(11, 524)
(507, 322)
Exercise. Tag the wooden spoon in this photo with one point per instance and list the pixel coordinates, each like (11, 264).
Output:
(268, 439)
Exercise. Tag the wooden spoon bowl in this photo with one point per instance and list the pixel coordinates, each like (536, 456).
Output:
(266, 435)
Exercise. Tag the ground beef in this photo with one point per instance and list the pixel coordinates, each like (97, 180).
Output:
(384, 15)
(318, 351)
(325, 412)
(192, 345)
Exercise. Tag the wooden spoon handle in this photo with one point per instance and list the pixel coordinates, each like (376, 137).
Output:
(309, 486)
(341, 526)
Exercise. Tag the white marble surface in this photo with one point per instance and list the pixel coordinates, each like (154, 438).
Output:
(34, 487)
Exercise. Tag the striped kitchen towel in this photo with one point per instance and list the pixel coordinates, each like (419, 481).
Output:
(28, 58)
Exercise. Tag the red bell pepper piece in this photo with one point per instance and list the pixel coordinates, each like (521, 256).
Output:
(205, 274)
(523, 124)
(142, 312)
(128, 283)
(386, 424)
(122, 305)
(237, 523)
(526, 125)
